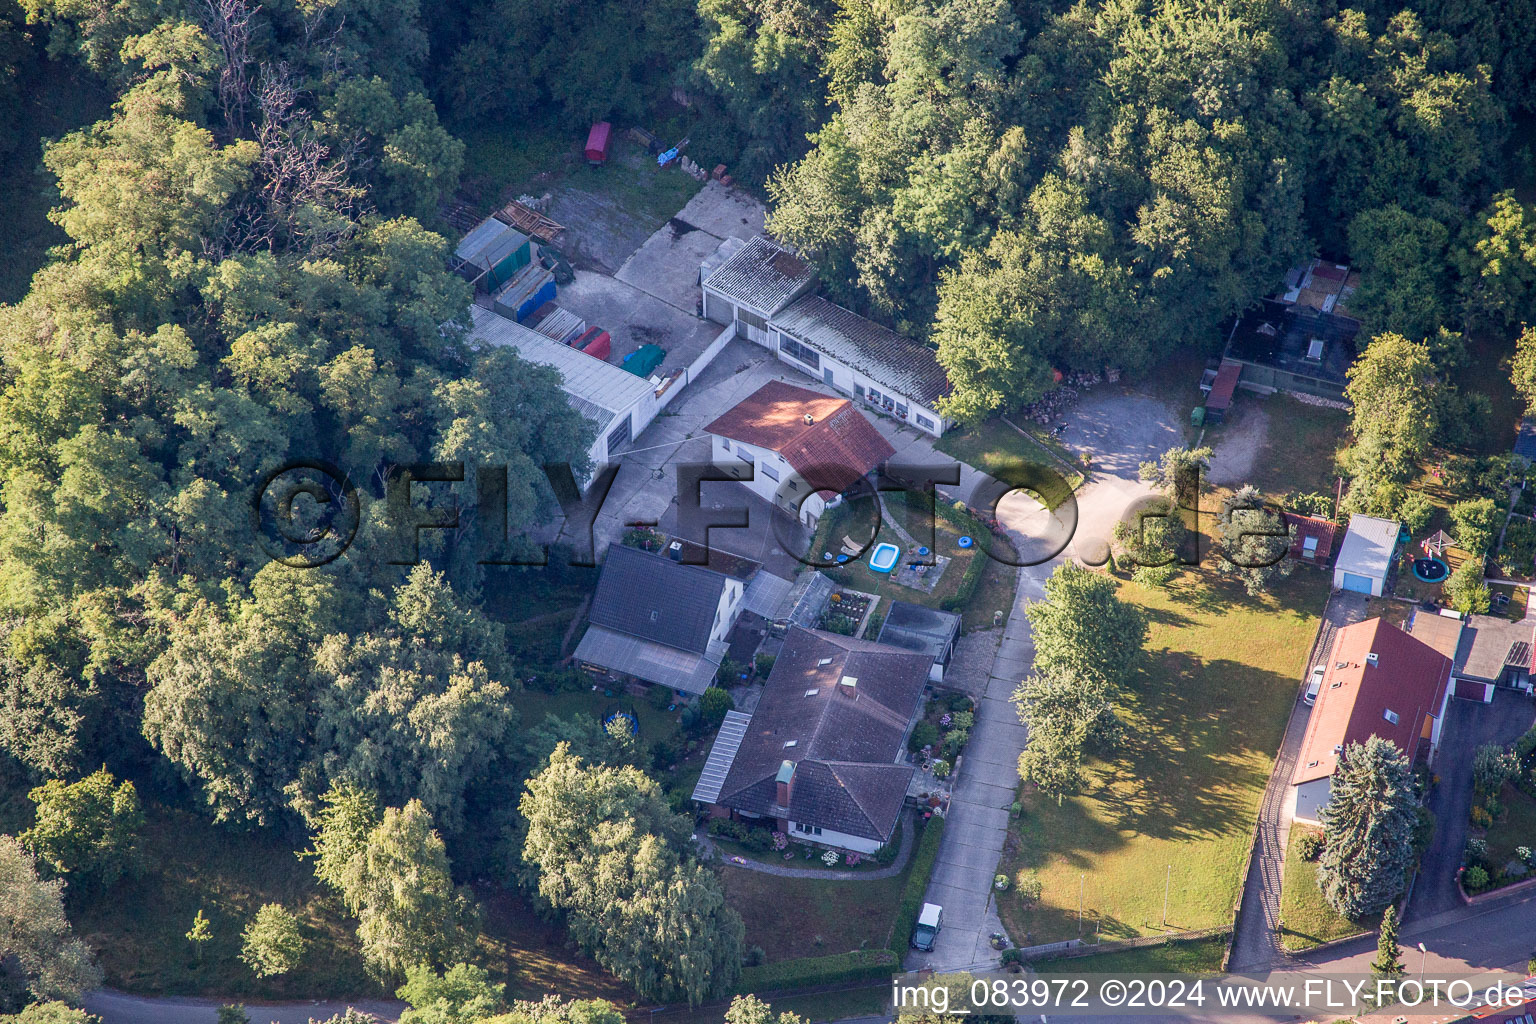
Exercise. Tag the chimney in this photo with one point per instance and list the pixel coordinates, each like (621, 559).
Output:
(785, 784)
(809, 419)
(1370, 659)
(849, 685)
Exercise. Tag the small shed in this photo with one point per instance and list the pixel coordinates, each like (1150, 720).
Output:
(1365, 557)
(1311, 538)
(1222, 388)
(597, 143)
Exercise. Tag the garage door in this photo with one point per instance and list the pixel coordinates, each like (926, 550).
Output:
(1466, 689)
(1359, 584)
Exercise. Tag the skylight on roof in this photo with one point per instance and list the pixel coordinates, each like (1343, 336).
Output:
(812, 693)
(791, 743)
(825, 661)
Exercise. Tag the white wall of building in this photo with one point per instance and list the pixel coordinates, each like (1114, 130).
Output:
(841, 840)
(1310, 798)
(771, 473)
(729, 608)
(859, 386)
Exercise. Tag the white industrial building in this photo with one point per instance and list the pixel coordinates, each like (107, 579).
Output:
(767, 292)
(618, 402)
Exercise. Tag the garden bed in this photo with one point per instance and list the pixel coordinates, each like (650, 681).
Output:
(766, 845)
(1514, 830)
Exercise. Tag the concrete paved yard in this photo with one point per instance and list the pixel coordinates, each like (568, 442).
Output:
(634, 318)
(666, 265)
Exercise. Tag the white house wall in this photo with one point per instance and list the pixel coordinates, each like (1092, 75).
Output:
(841, 840)
(729, 608)
(727, 453)
(1310, 798)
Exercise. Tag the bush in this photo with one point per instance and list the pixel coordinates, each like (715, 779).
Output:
(713, 704)
(917, 885)
(725, 828)
(1474, 879)
(887, 853)
(1494, 807)
(837, 622)
(1310, 845)
(924, 734)
(660, 697)
(859, 965)
(763, 664)
(729, 674)
(1027, 887)
(665, 753)
(754, 957)
(963, 719)
(1517, 555)
(1481, 818)
(1466, 590)
(954, 742)
(1016, 809)
(759, 840)
(1475, 852)
(1011, 956)
(1524, 855)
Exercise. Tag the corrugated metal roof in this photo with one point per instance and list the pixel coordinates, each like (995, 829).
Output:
(721, 755)
(896, 362)
(599, 391)
(762, 275)
(490, 242)
(1224, 385)
(724, 251)
(652, 662)
(1368, 545)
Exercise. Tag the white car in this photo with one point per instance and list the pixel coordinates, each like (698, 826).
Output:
(1314, 684)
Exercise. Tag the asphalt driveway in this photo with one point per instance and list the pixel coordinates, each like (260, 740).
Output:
(1468, 725)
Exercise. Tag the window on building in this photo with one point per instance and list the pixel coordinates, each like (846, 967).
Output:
(619, 436)
(874, 396)
(799, 352)
(726, 444)
(1309, 545)
(770, 472)
(816, 830)
(750, 318)
(925, 422)
(1390, 716)
(901, 410)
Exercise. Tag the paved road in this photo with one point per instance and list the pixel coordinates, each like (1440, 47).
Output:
(1468, 725)
(1256, 945)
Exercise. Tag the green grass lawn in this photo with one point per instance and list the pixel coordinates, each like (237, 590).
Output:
(1299, 442)
(1516, 828)
(797, 917)
(994, 446)
(1202, 725)
(993, 593)
(1306, 919)
(138, 929)
(1198, 956)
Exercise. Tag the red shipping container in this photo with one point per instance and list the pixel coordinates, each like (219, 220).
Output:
(597, 143)
(597, 344)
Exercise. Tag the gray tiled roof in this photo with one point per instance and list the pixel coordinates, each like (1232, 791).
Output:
(762, 275)
(846, 740)
(657, 599)
(904, 366)
(1489, 643)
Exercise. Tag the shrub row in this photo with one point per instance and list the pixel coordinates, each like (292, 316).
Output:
(917, 885)
(859, 965)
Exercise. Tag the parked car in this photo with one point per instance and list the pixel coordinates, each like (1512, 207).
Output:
(929, 923)
(1314, 684)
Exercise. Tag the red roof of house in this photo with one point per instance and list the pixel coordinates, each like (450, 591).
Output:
(824, 438)
(1223, 386)
(1408, 679)
(1303, 527)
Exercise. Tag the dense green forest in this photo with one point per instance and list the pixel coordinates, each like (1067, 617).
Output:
(248, 265)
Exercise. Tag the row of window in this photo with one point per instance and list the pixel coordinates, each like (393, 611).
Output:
(808, 356)
(810, 830)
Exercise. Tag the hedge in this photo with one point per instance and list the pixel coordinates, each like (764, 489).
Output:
(859, 965)
(917, 885)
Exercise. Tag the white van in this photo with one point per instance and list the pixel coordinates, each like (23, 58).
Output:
(929, 923)
(1314, 684)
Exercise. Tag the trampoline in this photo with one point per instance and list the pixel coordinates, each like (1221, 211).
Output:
(1431, 570)
(884, 557)
(623, 716)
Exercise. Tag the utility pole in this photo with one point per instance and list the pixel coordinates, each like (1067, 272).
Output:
(1080, 879)
(1167, 881)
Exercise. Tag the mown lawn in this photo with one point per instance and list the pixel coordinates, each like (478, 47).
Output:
(1299, 444)
(1198, 956)
(1202, 724)
(796, 917)
(1306, 919)
(993, 447)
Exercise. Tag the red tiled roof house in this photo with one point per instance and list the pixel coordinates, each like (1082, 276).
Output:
(804, 448)
(1380, 681)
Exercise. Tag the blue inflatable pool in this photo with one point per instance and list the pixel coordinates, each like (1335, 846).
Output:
(884, 557)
